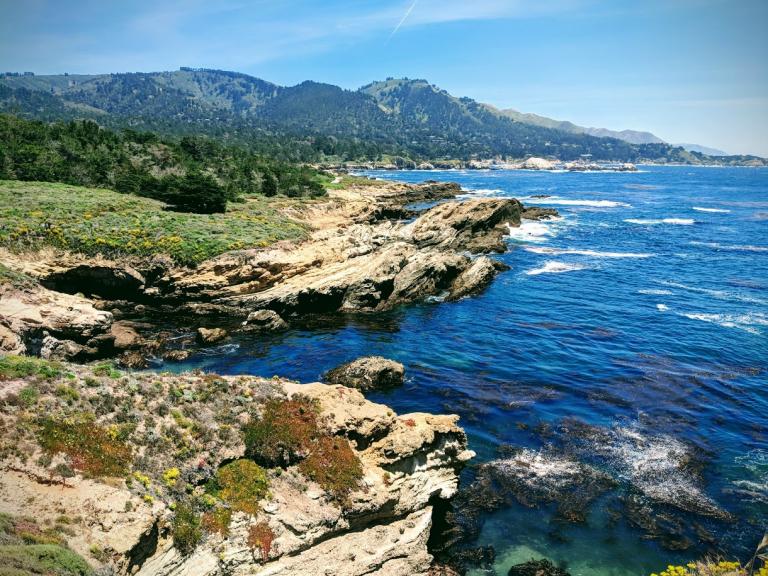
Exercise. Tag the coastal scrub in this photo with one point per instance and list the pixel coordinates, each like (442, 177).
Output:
(95, 221)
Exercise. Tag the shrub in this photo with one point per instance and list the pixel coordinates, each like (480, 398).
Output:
(186, 529)
(22, 366)
(194, 192)
(283, 433)
(91, 448)
(217, 521)
(334, 465)
(261, 536)
(41, 559)
(241, 484)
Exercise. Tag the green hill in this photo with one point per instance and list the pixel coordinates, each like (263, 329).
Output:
(314, 121)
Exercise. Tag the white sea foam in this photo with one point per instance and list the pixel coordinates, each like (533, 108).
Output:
(655, 292)
(746, 322)
(468, 192)
(714, 210)
(536, 468)
(662, 307)
(656, 465)
(735, 247)
(718, 294)
(530, 231)
(593, 253)
(554, 267)
(652, 222)
(556, 200)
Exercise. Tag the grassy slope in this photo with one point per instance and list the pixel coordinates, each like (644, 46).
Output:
(95, 221)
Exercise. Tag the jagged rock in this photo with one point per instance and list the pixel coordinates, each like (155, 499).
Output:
(176, 355)
(55, 324)
(476, 277)
(426, 273)
(476, 225)
(54, 349)
(264, 321)
(537, 213)
(537, 568)
(10, 342)
(125, 335)
(210, 335)
(368, 372)
(133, 359)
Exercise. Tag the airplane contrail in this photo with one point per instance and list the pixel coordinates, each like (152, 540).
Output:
(403, 19)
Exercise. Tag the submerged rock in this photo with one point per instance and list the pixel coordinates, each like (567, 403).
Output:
(536, 568)
(368, 372)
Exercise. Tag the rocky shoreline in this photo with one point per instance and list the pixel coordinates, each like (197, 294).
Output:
(373, 247)
(141, 464)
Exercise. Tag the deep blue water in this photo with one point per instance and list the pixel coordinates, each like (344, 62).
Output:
(636, 314)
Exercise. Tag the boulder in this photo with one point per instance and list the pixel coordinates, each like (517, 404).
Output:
(210, 335)
(125, 335)
(537, 213)
(368, 372)
(264, 321)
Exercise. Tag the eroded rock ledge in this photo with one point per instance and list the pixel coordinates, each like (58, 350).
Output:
(370, 250)
(162, 438)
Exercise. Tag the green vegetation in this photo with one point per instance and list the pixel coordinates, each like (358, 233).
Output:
(24, 366)
(241, 484)
(186, 529)
(261, 536)
(14, 278)
(288, 431)
(334, 465)
(282, 434)
(192, 174)
(92, 449)
(26, 548)
(313, 122)
(94, 221)
(711, 568)
(217, 521)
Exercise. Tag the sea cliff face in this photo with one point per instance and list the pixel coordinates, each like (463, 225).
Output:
(119, 455)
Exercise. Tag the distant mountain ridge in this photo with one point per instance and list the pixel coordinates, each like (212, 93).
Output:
(631, 136)
(314, 121)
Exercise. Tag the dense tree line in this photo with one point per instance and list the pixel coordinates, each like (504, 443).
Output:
(190, 173)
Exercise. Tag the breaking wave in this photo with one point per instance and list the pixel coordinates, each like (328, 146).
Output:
(714, 210)
(652, 222)
(554, 267)
(593, 253)
(557, 201)
(735, 247)
(746, 322)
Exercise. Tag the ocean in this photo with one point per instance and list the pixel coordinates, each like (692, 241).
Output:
(614, 382)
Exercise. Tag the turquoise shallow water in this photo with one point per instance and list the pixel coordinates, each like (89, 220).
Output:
(629, 339)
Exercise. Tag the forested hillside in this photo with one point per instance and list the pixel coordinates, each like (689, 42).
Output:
(191, 173)
(311, 122)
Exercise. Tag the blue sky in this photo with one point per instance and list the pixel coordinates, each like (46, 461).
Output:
(687, 70)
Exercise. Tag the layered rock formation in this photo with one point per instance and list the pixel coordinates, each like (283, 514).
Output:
(127, 523)
(370, 251)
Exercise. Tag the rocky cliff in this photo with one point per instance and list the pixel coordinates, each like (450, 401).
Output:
(156, 474)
